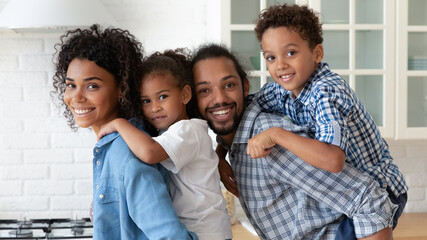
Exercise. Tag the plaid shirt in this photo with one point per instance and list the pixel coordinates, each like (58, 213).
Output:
(334, 114)
(286, 198)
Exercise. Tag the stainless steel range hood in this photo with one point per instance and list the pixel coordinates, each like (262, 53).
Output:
(50, 15)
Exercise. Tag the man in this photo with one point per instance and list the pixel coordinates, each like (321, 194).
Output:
(283, 197)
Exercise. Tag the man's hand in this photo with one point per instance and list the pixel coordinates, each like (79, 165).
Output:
(227, 176)
(385, 234)
(259, 145)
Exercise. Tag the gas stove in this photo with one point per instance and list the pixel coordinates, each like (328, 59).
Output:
(59, 228)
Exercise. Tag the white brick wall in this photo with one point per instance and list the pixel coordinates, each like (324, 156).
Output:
(411, 157)
(45, 168)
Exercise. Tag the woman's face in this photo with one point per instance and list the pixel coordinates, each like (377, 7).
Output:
(91, 93)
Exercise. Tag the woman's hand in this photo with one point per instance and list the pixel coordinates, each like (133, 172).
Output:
(106, 129)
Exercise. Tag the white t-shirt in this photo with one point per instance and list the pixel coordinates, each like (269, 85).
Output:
(195, 180)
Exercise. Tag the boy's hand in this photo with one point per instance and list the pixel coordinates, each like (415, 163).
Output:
(259, 146)
(106, 129)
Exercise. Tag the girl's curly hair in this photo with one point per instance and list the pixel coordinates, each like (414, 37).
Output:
(297, 18)
(112, 49)
(177, 63)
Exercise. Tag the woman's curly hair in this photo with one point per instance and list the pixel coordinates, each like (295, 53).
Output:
(177, 63)
(297, 18)
(113, 49)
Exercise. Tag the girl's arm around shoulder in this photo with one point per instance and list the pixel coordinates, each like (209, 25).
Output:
(141, 144)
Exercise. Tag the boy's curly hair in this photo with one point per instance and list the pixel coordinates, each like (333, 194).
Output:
(297, 18)
(177, 63)
(113, 49)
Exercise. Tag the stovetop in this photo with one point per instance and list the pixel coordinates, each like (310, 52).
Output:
(57, 228)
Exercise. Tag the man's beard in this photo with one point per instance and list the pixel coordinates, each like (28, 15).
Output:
(225, 130)
(221, 128)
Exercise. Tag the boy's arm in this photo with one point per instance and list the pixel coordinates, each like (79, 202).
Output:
(140, 143)
(316, 153)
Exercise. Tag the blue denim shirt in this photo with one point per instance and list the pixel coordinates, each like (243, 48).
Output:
(130, 198)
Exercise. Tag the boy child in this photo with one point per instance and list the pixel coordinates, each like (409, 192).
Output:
(310, 94)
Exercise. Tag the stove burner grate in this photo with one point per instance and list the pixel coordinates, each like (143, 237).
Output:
(59, 228)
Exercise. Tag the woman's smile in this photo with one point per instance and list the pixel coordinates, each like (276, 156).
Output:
(83, 111)
(91, 94)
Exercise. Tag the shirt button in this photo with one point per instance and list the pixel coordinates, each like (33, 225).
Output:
(97, 150)
(101, 196)
(98, 162)
(97, 186)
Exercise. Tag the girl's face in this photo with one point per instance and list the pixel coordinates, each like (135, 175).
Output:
(91, 94)
(163, 102)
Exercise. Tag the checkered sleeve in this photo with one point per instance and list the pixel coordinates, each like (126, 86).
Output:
(331, 108)
(349, 192)
(270, 98)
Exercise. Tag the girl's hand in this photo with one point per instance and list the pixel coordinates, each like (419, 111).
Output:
(106, 129)
(259, 146)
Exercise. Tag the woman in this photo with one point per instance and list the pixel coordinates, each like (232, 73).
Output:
(131, 198)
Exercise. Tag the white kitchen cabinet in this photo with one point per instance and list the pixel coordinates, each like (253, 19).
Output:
(378, 46)
(411, 118)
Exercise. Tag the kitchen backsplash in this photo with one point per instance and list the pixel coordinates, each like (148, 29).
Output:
(45, 168)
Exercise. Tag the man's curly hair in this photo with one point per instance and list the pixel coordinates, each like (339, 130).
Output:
(177, 63)
(215, 50)
(113, 49)
(294, 17)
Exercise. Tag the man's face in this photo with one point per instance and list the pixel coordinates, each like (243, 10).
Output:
(220, 94)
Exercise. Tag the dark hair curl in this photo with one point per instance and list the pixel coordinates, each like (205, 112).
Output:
(215, 50)
(296, 18)
(177, 63)
(113, 49)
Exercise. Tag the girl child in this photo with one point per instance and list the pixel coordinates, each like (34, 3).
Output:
(183, 145)
(94, 70)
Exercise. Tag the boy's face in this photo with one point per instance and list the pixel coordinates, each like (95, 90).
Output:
(289, 58)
